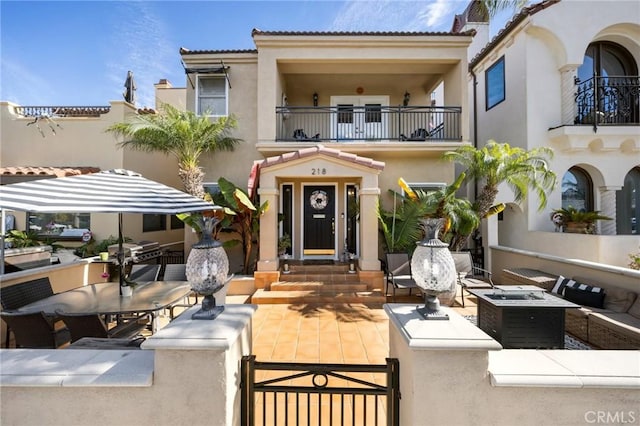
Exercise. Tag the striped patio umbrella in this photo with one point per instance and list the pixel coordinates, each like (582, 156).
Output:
(113, 191)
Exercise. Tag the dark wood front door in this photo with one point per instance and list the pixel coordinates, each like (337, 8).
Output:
(319, 220)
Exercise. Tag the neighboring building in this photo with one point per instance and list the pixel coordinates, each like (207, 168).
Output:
(332, 120)
(575, 88)
(49, 141)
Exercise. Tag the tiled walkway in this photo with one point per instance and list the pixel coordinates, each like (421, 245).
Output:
(342, 333)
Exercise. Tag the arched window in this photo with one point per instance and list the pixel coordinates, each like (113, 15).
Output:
(628, 204)
(577, 189)
(608, 85)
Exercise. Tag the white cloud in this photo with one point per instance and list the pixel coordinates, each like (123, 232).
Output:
(22, 86)
(395, 15)
(139, 44)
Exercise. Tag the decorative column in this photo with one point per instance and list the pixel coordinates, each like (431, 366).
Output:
(269, 230)
(568, 92)
(608, 208)
(369, 229)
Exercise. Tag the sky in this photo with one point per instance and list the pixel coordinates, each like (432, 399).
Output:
(77, 53)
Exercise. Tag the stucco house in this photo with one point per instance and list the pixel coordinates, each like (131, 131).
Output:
(331, 120)
(541, 82)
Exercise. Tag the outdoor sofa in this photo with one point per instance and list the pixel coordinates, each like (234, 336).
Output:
(608, 319)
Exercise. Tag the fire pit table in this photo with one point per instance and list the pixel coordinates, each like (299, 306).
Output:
(522, 317)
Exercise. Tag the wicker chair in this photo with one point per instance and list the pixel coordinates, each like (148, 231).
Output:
(92, 326)
(35, 330)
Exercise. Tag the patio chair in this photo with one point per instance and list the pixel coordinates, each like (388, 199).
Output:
(144, 272)
(399, 273)
(91, 325)
(177, 272)
(18, 295)
(469, 275)
(35, 330)
(300, 135)
(420, 134)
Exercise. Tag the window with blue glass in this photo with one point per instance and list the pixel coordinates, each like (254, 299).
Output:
(494, 83)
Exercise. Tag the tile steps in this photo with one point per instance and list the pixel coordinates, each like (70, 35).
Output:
(318, 286)
(262, 296)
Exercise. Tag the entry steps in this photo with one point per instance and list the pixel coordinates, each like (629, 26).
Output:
(309, 284)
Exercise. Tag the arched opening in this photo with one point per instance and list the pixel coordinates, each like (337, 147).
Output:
(628, 204)
(607, 86)
(577, 189)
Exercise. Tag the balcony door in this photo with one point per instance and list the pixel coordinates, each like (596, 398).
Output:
(359, 117)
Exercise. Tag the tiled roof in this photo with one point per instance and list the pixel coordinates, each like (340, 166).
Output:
(512, 24)
(47, 171)
(256, 31)
(185, 51)
(321, 149)
(473, 13)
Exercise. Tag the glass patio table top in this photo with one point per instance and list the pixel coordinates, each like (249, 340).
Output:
(105, 298)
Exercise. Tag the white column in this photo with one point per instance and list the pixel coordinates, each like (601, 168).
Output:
(608, 208)
(369, 229)
(568, 88)
(269, 230)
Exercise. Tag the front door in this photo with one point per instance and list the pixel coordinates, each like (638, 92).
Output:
(319, 220)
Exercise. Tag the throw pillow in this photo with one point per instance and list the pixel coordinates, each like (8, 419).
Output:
(561, 283)
(585, 295)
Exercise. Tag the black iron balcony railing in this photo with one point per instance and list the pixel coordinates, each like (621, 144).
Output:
(62, 111)
(607, 101)
(347, 123)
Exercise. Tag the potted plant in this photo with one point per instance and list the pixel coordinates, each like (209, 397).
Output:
(283, 244)
(577, 221)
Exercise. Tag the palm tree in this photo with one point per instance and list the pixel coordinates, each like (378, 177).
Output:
(182, 134)
(489, 8)
(497, 163)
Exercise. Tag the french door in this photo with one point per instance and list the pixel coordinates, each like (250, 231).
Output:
(359, 117)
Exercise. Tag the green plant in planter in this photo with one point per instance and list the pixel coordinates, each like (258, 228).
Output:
(578, 221)
(284, 243)
(93, 247)
(21, 239)
(634, 261)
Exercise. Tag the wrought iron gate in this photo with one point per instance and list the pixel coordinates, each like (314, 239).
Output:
(281, 393)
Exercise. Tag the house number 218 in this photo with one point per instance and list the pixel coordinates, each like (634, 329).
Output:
(318, 171)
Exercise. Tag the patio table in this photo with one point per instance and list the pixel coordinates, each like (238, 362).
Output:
(105, 299)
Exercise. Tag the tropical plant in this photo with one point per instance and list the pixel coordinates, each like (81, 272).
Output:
(22, 239)
(586, 219)
(489, 8)
(401, 227)
(284, 243)
(182, 134)
(497, 163)
(240, 216)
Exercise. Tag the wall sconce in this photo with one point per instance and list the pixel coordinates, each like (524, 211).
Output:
(407, 97)
(315, 99)
(433, 269)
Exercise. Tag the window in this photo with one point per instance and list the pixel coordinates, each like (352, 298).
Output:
(577, 189)
(58, 224)
(154, 222)
(212, 96)
(211, 188)
(628, 204)
(426, 187)
(176, 223)
(494, 83)
(607, 89)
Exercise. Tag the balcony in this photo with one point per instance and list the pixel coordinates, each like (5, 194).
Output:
(607, 116)
(370, 123)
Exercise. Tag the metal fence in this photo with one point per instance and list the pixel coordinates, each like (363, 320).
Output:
(344, 123)
(319, 394)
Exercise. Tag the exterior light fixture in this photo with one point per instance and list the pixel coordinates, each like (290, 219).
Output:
(433, 269)
(315, 99)
(207, 268)
(406, 99)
